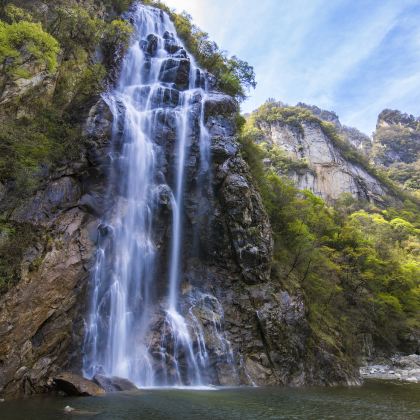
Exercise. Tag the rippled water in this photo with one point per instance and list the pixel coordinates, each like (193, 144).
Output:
(374, 400)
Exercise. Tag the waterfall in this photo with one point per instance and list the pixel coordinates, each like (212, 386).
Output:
(134, 330)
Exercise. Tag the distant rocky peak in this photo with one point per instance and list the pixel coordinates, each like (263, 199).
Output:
(322, 114)
(396, 141)
(389, 117)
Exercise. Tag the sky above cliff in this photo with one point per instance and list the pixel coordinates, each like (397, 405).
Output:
(354, 57)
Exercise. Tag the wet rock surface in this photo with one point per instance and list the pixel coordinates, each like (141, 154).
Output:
(41, 318)
(114, 383)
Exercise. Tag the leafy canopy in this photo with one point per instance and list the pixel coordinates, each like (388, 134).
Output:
(23, 43)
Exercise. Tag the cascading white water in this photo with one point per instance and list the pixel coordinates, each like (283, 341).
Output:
(124, 297)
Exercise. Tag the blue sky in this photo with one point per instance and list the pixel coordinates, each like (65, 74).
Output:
(355, 57)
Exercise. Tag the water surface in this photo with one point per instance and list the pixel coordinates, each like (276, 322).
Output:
(374, 400)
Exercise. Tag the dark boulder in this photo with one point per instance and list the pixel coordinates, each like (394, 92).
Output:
(73, 384)
(151, 46)
(219, 104)
(170, 43)
(164, 97)
(223, 148)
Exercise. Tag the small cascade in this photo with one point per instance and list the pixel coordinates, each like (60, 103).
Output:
(137, 327)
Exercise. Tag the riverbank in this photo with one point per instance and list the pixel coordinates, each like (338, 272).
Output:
(402, 368)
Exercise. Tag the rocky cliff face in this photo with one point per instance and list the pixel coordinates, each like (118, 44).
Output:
(227, 254)
(322, 165)
(41, 318)
(396, 147)
(360, 141)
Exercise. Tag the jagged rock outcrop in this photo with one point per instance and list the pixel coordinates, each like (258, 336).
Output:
(396, 139)
(396, 147)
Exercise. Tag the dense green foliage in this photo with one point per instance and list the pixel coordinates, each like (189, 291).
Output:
(358, 268)
(234, 76)
(40, 128)
(25, 43)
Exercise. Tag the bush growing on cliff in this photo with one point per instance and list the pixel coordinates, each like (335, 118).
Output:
(14, 240)
(23, 44)
(35, 141)
(235, 76)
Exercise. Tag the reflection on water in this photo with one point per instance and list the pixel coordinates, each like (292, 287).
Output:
(374, 400)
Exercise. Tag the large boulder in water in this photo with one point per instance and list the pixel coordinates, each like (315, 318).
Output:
(114, 383)
(73, 384)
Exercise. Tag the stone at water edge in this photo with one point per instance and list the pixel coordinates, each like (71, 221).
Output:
(68, 409)
(73, 384)
(114, 383)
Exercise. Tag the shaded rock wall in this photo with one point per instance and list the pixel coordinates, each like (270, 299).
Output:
(41, 318)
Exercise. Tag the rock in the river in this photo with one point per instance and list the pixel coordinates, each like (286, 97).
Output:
(76, 385)
(68, 409)
(114, 383)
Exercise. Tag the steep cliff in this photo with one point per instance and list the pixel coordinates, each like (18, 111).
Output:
(322, 153)
(396, 147)
(360, 141)
(55, 220)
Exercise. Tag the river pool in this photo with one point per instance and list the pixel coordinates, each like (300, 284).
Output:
(374, 400)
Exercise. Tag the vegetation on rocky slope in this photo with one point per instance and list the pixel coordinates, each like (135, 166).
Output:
(396, 148)
(358, 266)
(50, 74)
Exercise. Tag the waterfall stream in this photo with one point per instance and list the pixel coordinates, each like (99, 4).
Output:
(133, 329)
